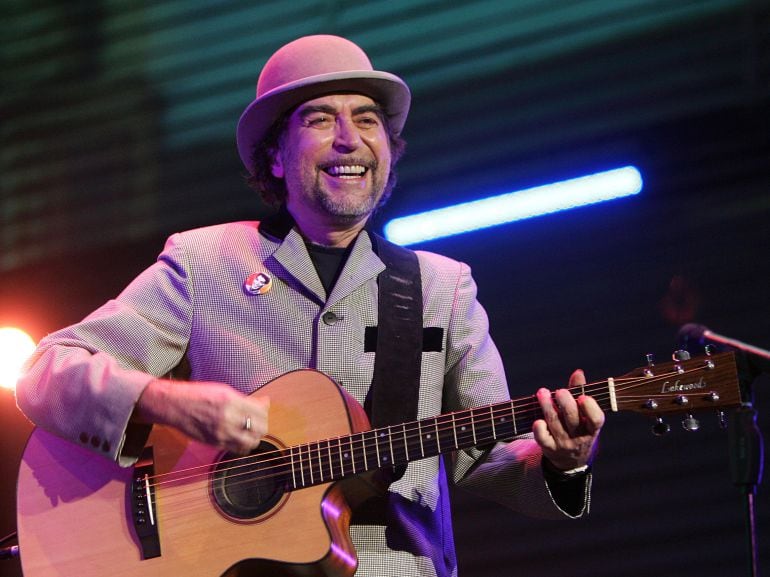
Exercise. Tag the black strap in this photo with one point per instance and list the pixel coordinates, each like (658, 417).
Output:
(396, 381)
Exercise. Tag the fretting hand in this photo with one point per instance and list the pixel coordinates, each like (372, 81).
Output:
(569, 429)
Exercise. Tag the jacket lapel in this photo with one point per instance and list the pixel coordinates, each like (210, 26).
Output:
(362, 266)
(292, 256)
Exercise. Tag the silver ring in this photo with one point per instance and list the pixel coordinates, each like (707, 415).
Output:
(247, 424)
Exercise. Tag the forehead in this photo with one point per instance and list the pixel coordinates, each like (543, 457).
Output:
(337, 102)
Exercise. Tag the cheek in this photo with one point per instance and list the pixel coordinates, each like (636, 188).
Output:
(385, 161)
(381, 148)
(300, 154)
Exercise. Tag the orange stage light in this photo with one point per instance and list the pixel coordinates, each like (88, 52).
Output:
(15, 348)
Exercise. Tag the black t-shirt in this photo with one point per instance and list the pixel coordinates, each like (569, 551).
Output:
(328, 262)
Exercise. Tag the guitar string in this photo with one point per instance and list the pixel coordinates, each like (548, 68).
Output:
(504, 407)
(312, 455)
(308, 453)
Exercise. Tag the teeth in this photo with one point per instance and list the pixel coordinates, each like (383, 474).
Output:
(346, 170)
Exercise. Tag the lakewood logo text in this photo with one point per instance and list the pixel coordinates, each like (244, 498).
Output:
(679, 386)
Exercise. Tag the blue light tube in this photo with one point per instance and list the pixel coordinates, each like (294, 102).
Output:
(513, 206)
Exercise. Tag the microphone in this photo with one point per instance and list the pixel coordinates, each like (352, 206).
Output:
(698, 336)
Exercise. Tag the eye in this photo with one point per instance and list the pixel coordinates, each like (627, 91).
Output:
(318, 120)
(368, 120)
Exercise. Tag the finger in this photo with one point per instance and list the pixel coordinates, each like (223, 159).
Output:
(257, 408)
(550, 413)
(545, 401)
(592, 414)
(243, 442)
(568, 410)
(542, 436)
(254, 407)
(577, 378)
(255, 423)
(244, 423)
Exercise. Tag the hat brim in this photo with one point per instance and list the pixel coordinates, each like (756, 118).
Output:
(388, 90)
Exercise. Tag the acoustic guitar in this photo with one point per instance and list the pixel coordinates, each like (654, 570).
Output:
(189, 509)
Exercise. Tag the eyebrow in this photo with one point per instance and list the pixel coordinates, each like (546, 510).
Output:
(307, 110)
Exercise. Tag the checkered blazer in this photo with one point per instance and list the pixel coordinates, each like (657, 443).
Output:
(191, 306)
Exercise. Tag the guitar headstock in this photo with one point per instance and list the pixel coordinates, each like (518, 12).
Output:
(680, 386)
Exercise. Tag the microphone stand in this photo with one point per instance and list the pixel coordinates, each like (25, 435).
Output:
(746, 455)
(744, 437)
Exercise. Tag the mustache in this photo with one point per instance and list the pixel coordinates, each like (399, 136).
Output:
(369, 163)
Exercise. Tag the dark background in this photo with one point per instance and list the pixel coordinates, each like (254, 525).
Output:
(117, 124)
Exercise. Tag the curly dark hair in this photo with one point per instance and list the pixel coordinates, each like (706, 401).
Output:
(273, 190)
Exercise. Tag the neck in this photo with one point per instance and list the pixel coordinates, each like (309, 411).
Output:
(330, 234)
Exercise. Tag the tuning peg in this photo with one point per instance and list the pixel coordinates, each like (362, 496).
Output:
(709, 350)
(650, 363)
(660, 427)
(722, 420)
(690, 423)
(681, 355)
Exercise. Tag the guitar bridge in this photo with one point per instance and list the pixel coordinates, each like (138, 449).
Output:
(141, 495)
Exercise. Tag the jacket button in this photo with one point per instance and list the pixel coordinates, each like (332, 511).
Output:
(330, 318)
(84, 437)
(95, 441)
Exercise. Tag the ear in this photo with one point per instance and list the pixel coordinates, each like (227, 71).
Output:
(276, 167)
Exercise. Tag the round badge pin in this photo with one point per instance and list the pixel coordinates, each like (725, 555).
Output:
(257, 283)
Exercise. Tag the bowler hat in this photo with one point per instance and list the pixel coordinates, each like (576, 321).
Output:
(310, 67)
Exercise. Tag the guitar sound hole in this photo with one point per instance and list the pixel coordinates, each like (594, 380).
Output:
(248, 487)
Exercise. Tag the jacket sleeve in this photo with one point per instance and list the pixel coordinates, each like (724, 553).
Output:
(83, 382)
(509, 473)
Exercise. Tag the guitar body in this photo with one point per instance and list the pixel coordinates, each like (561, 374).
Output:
(74, 516)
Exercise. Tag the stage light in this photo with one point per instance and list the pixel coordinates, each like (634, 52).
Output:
(15, 348)
(513, 206)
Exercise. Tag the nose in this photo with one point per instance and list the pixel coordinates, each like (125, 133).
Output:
(346, 136)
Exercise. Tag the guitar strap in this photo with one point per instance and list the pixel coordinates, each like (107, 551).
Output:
(394, 392)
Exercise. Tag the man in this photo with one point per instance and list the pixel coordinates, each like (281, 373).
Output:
(239, 304)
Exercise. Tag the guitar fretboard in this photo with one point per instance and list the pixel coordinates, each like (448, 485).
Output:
(338, 458)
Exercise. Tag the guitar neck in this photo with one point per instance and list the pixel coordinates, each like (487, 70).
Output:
(394, 445)
(674, 387)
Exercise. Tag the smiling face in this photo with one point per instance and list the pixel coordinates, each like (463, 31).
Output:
(334, 157)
